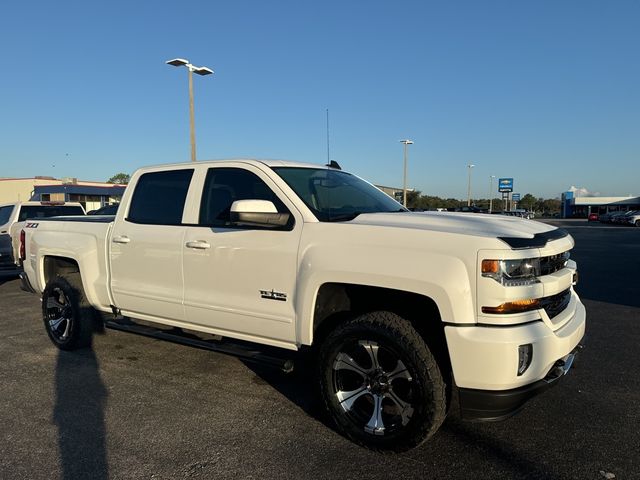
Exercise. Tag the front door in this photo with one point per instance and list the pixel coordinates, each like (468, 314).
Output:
(241, 281)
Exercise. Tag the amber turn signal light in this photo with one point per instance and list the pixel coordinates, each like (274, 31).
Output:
(517, 306)
(490, 266)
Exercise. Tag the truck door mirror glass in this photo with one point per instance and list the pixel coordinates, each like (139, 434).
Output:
(257, 213)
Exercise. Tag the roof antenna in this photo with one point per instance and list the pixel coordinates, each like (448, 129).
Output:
(328, 157)
(330, 163)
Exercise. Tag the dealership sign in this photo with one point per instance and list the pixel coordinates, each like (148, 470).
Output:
(515, 197)
(505, 185)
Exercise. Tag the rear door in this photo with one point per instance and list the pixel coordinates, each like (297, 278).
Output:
(147, 246)
(241, 281)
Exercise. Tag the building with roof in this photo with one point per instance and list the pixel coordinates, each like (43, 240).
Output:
(394, 192)
(91, 195)
(581, 207)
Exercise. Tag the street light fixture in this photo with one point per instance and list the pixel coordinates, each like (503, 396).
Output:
(491, 177)
(181, 62)
(469, 166)
(404, 187)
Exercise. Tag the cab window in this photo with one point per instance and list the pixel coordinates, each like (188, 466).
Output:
(159, 197)
(223, 186)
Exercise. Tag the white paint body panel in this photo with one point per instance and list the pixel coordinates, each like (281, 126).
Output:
(232, 281)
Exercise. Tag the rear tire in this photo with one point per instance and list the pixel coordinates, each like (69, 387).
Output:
(380, 384)
(68, 317)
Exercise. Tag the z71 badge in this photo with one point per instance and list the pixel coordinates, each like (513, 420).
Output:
(271, 295)
(31, 225)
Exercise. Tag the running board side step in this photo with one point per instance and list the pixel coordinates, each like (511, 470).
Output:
(245, 350)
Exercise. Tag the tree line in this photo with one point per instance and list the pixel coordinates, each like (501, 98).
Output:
(545, 206)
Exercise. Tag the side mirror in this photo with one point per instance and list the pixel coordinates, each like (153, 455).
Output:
(257, 213)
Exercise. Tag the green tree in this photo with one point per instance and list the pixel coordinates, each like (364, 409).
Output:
(413, 199)
(528, 202)
(551, 206)
(120, 179)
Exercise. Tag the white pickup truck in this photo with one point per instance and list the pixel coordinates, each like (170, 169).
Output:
(12, 218)
(400, 311)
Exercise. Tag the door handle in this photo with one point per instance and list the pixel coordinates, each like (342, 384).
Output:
(121, 239)
(198, 245)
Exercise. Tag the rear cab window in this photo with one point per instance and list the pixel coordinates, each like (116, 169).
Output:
(159, 197)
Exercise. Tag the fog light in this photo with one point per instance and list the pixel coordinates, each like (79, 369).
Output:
(525, 355)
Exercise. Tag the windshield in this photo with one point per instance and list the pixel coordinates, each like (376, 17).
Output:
(335, 196)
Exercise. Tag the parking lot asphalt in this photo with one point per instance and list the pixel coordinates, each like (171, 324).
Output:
(138, 408)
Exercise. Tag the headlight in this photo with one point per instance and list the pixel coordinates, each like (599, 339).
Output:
(517, 273)
(512, 273)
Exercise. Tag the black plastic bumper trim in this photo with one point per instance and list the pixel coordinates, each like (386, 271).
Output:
(496, 405)
(25, 284)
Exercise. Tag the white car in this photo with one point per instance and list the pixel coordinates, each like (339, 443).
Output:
(633, 218)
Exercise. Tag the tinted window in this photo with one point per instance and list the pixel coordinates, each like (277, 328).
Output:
(159, 197)
(5, 213)
(46, 211)
(335, 196)
(224, 186)
(106, 210)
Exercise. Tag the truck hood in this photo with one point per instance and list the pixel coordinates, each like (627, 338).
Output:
(483, 225)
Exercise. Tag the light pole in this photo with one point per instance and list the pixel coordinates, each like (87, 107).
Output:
(469, 166)
(404, 185)
(491, 192)
(181, 62)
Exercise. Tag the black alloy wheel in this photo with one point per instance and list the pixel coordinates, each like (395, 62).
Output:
(380, 384)
(68, 317)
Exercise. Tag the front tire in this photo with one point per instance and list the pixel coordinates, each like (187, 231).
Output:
(68, 317)
(380, 384)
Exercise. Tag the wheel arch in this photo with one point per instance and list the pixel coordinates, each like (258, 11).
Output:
(337, 302)
(53, 266)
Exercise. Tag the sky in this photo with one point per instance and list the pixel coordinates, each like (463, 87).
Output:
(545, 91)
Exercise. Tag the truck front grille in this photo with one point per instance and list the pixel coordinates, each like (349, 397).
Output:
(555, 304)
(553, 263)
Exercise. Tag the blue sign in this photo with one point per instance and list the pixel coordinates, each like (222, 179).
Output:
(505, 185)
(515, 197)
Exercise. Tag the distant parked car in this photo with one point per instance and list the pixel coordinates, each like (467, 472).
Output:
(111, 209)
(604, 217)
(14, 215)
(11, 213)
(621, 217)
(593, 217)
(634, 218)
(471, 209)
(7, 264)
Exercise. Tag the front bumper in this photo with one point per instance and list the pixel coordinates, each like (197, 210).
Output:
(492, 405)
(484, 360)
(485, 357)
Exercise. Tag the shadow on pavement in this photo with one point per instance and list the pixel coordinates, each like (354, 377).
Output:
(81, 398)
(499, 451)
(298, 387)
